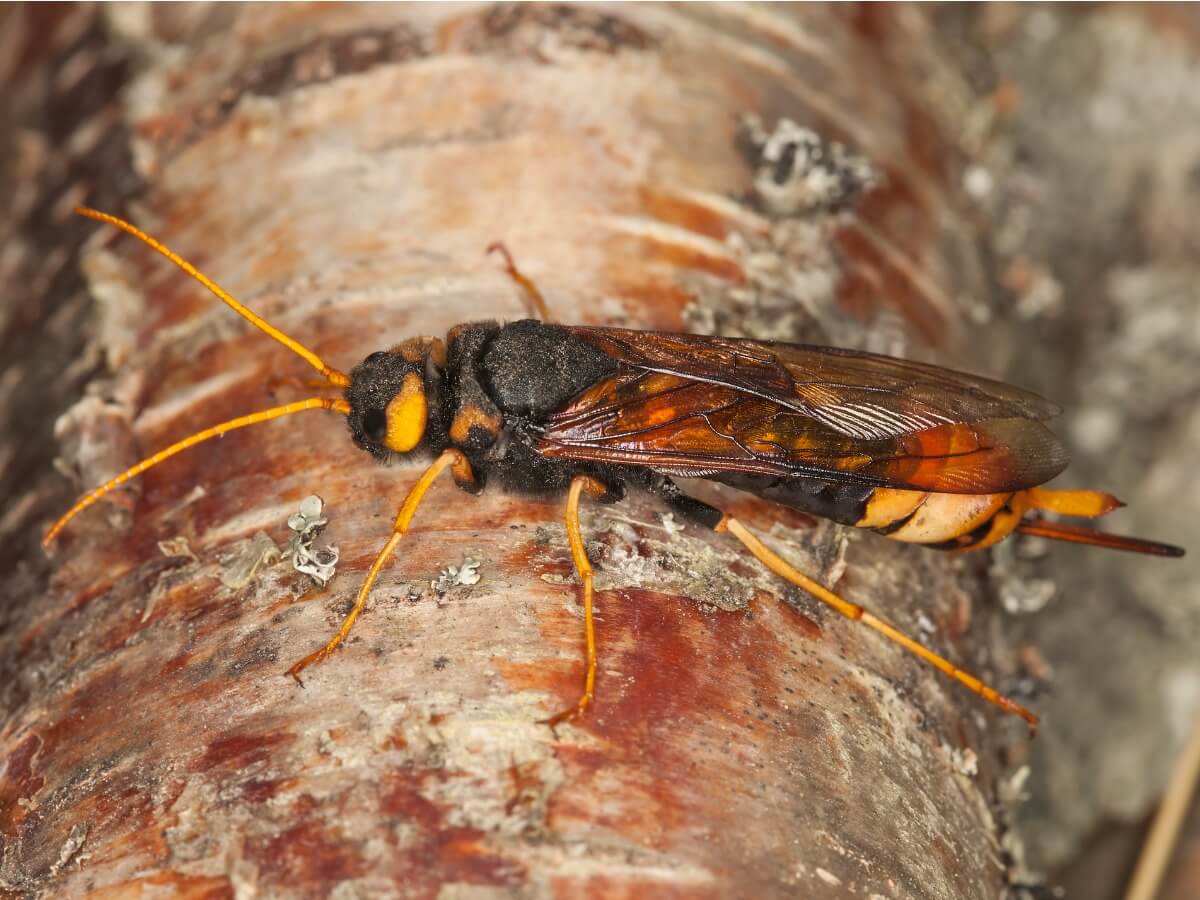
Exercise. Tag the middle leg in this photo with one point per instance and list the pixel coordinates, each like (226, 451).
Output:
(583, 567)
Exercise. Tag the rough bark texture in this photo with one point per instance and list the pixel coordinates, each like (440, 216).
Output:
(341, 170)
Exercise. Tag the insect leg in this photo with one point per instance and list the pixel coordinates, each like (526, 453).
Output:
(711, 517)
(584, 568)
(460, 467)
(853, 611)
(536, 301)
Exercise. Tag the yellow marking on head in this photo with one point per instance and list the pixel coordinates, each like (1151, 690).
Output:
(407, 414)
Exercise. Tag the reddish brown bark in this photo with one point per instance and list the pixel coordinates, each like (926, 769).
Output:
(341, 169)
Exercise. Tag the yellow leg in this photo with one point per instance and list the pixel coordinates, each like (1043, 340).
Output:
(461, 468)
(856, 612)
(584, 568)
(531, 290)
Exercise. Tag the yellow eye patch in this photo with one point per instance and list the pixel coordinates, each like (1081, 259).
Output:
(407, 414)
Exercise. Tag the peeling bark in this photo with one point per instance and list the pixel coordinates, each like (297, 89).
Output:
(341, 169)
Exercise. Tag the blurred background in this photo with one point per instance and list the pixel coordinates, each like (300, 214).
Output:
(1092, 177)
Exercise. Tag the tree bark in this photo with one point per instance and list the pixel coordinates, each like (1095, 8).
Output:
(341, 170)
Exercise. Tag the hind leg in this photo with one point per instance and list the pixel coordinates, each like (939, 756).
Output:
(711, 517)
(583, 568)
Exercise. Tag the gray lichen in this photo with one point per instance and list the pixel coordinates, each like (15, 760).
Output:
(798, 172)
(308, 523)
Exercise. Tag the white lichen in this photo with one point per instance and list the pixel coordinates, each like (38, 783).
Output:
(308, 523)
(467, 574)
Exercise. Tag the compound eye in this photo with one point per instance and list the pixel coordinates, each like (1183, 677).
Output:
(376, 356)
(374, 423)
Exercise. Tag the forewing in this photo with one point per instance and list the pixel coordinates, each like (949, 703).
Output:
(694, 405)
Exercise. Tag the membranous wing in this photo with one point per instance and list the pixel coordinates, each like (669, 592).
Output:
(693, 405)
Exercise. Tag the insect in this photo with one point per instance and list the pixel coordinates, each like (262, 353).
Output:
(913, 451)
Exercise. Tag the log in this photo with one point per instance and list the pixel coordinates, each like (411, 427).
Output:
(341, 170)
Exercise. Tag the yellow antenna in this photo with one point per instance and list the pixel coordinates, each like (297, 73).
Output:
(331, 375)
(336, 378)
(254, 418)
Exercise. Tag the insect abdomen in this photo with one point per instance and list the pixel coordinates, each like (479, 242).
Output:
(844, 502)
(949, 521)
(952, 521)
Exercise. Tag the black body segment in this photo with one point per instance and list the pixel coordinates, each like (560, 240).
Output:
(501, 383)
(687, 506)
(533, 370)
(844, 502)
(473, 416)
